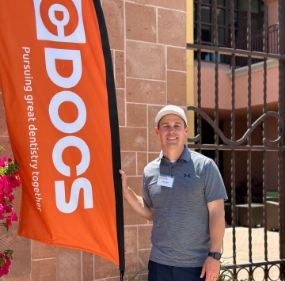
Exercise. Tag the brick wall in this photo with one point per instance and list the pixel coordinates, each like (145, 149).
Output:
(147, 39)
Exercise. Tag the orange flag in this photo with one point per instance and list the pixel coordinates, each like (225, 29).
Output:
(58, 90)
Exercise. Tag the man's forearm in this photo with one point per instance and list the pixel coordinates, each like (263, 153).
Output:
(137, 203)
(217, 227)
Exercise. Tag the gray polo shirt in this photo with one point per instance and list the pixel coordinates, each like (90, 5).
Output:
(180, 234)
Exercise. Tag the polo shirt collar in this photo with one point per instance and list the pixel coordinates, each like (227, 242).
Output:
(184, 156)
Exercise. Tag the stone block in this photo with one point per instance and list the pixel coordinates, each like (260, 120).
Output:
(152, 156)
(136, 115)
(176, 58)
(176, 88)
(105, 268)
(119, 69)
(113, 279)
(145, 60)
(140, 22)
(143, 260)
(17, 201)
(87, 266)
(133, 139)
(130, 217)
(172, 27)
(114, 17)
(45, 270)
(144, 233)
(42, 250)
(68, 264)
(120, 95)
(153, 138)
(141, 162)
(21, 247)
(145, 91)
(131, 250)
(18, 278)
(175, 5)
(128, 161)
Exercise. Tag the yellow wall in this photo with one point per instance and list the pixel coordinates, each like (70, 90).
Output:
(190, 66)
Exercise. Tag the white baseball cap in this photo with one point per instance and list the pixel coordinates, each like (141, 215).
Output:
(170, 109)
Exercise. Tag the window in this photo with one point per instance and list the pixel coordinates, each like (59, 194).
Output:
(224, 22)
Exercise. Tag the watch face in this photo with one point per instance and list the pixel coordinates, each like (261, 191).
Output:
(217, 256)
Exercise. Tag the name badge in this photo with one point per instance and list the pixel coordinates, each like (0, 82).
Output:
(165, 180)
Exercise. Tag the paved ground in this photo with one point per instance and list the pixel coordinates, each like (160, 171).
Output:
(242, 252)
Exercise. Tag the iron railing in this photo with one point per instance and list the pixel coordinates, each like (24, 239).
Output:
(267, 44)
(257, 43)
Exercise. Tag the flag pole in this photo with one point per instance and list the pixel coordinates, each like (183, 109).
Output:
(114, 130)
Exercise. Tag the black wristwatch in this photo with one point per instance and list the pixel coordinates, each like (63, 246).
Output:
(215, 255)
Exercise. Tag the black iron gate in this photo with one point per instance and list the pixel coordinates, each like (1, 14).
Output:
(216, 35)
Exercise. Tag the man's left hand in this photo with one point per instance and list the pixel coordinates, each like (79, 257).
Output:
(211, 268)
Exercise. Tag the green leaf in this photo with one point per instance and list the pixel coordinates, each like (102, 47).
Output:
(2, 261)
(12, 168)
(9, 253)
(2, 171)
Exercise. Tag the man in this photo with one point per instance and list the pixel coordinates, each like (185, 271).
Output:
(183, 193)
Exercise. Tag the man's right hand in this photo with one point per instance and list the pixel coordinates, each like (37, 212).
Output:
(136, 202)
(124, 178)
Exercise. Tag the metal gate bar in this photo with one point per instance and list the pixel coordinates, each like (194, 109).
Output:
(199, 28)
(264, 111)
(233, 155)
(281, 109)
(249, 158)
(216, 112)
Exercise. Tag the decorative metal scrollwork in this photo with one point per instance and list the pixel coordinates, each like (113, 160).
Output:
(247, 133)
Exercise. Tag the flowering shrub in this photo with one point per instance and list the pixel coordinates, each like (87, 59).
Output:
(9, 180)
(5, 262)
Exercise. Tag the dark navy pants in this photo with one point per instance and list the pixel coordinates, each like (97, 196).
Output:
(160, 272)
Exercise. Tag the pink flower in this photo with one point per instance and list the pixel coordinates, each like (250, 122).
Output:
(8, 209)
(8, 222)
(8, 183)
(2, 211)
(4, 269)
(3, 161)
(13, 181)
(4, 184)
(14, 217)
